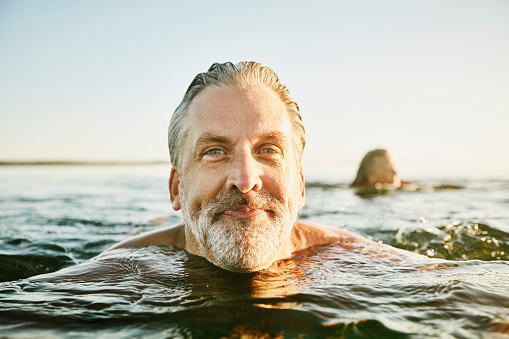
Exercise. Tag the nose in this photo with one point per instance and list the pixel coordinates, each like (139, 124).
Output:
(245, 173)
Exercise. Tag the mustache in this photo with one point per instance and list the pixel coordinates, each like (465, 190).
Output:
(236, 199)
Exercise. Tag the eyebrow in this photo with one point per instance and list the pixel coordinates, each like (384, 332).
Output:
(280, 136)
(213, 138)
(208, 138)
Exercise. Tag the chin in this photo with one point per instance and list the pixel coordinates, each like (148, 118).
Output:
(396, 182)
(244, 246)
(249, 254)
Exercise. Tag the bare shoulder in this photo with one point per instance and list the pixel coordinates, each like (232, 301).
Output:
(307, 234)
(173, 235)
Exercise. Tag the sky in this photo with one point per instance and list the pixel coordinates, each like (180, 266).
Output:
(98, 80)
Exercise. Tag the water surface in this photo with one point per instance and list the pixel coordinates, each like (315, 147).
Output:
(57, 217)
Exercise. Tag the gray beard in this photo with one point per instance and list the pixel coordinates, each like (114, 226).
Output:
(240, 245)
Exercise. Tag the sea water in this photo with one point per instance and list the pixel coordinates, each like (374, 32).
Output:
(62, 217)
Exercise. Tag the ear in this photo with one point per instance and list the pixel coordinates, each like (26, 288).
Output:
(302, 189)
(174, 188)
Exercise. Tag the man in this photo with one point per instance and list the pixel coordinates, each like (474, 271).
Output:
(236, 143)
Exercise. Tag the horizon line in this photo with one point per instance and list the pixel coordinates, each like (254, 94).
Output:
(80, 162)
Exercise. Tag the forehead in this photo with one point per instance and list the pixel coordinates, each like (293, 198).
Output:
(237, 111)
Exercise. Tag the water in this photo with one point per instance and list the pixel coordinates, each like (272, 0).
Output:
(56, 217)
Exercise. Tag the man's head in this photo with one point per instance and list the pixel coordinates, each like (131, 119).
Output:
(376, 168)
(243, 74)
(236, 142)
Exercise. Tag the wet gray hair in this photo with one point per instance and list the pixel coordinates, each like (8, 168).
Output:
(243, 74)
(367, 166)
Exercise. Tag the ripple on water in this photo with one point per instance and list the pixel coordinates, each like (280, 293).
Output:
(327, 291)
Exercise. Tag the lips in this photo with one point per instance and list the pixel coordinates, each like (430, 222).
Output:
(244, 206)
(244, 212)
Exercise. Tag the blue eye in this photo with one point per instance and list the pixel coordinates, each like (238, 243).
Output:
(215, 151)
(271, 152)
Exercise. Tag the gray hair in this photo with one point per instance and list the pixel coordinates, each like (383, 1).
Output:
(244, 74)
(367, 166)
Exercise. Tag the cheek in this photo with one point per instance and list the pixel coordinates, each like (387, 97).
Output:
(201, 187)
(284, 184)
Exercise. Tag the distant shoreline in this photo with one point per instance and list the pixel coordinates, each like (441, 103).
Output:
(80, 163)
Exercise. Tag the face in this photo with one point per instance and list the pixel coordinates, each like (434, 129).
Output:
(384, 172)
(240, 186)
